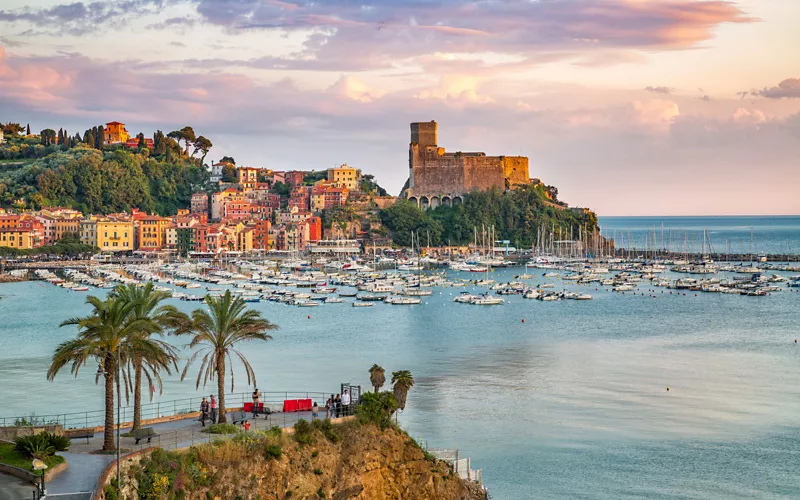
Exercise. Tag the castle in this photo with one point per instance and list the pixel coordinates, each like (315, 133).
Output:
(438, 178)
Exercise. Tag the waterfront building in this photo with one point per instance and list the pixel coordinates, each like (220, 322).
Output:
(21, 239)
(150, 232)
(199, 203)
(88, 231)
(115, 234)
(64, 227)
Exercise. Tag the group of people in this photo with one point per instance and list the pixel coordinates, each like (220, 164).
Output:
(339, 405)
(208, 410)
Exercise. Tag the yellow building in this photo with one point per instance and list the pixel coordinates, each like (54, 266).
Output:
(115, 235)
(67, 227)
(151, 232)
(22, 239)
(88, 232)
(346, 176)
(317, 202)
(115, 133)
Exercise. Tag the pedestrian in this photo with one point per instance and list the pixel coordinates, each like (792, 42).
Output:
(246, 425)
(337, 406)
(203, 411)
(315, 411)
(346, 403)
(256, 397)
(329, 407)
(213, 409)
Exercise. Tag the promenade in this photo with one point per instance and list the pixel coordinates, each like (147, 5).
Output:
(85, 464)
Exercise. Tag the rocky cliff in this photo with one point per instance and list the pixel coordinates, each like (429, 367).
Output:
(346, 461)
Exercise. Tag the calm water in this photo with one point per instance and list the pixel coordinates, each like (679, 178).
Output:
(572, 403)
(774, 234)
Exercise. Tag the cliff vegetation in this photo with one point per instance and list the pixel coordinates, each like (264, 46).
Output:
(317, 460)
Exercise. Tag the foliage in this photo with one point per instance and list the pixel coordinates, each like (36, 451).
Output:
(273, 451)
(303, 432)
(228, 159)
(404, 217)
(377, 377)
(229, 173)
(8, 455)
(36, 446)
(95, 181)
(216, 333)
(282, 189)
(327, 429)
(311, 177)
(33, 420)
(71, 247)
(402, 382)
(109, 492)
(221, 429)
(370, 186)
(515, 215)
(377, 408)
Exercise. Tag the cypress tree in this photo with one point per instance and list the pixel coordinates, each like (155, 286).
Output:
(29, 129)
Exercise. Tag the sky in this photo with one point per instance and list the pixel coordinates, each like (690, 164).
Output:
(629, 107)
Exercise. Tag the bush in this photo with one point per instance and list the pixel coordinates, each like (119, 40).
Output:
(37, 446)
(221, 429)
(377, 408)
(60, 443)
(273, 452)
(318, 472)
(109, 492)
(303, 432)
(327, 429)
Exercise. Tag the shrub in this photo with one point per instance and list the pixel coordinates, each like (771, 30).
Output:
(321, 493)
(60, 443)
(273, 451)
(109, 492)
(327, 429)
(377, 408)
(37, 446)
(221, 429)
(318, 472)
(303, 432)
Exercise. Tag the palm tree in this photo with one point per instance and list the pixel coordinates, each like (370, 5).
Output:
(149, 355)
(102, 336)
(402, 382)
(215, 333)
(377, 377)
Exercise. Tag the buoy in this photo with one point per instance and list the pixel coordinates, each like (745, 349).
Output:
(523, 320)
(667, 389)
(309, 317)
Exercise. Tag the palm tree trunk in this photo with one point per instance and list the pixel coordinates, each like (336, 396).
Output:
(137, 393)
(221, 388)
(108, 433)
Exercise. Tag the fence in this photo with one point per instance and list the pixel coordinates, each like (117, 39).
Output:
(77, 420)
(461, 466)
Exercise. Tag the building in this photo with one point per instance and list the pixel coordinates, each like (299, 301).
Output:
(437, 177)
(133, 143)
(2, 139)
(345, 176)
(67, 228)
(88, 231)
(220, 198)
(294, 178)
(247, 176)
(115, 235)
(116, 133)
(150, 232)
(199, 204)
(21, 239)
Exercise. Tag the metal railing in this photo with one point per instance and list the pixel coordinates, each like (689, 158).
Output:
(159, 409)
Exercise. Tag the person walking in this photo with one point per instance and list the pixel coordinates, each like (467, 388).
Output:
(203, 411)
(213, 409)
(346, 403)
(315, 411)
(329, 407)
(337, 406)
(256, 398)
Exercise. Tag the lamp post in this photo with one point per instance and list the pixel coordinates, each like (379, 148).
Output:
(39, 465)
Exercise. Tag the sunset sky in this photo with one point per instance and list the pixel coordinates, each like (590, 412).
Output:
(630, 107)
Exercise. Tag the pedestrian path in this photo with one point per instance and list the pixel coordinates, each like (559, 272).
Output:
(84, 466)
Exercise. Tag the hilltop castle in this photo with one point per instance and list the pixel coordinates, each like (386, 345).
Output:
(438, 178)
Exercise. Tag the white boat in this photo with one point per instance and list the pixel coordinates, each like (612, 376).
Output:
(80, 289)
(333, 300)
(416, 292)
(403, 301)
(486, 300)
(464, 298)
(363, 304)
(324, 290)
(306, 303)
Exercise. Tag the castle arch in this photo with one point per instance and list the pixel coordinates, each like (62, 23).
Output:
(424, 202)
(435, 202)
(446, 201)
(414, 200)
(457, 200)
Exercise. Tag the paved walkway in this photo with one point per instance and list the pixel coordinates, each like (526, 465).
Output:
(14, 488)
(85, 468)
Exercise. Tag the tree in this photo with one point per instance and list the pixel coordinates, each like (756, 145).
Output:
(102, 336)
(47, 137)
(202, 145)
(28, 132)
(215, 334)
(149, 355)
(185, 134)
(12, 128)
(228, 159)
(377, 377)
(141, 143)
(402, 382)
(228, 173)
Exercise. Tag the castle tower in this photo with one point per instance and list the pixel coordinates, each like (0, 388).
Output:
(425, 134)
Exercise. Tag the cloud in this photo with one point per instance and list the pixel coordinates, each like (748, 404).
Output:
(705, 97)
(787, 89)
(659, 90)
(79, 18)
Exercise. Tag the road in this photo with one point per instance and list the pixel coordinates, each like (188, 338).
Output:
(14, 488)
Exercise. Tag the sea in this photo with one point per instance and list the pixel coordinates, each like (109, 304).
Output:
(647, 394)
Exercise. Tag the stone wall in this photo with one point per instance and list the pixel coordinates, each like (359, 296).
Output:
(9, 433)
(515, 170)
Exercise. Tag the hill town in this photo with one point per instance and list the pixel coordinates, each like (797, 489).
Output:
(117, 192)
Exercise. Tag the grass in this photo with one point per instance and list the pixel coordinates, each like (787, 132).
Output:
(11, 457)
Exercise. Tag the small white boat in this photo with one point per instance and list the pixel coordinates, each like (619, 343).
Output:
(333, 300)
(80, 289)
(363, 304)
(486, 300)
(403, 301)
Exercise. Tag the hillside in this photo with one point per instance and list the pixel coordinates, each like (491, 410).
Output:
(101, 181)
(345, 461)
(516, 215)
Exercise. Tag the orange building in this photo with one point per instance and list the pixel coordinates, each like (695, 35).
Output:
(115, 133)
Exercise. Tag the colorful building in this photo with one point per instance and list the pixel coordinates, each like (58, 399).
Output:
(199, 203)
(345, 176)
(115, 235)
(116, 133)
(21, 239)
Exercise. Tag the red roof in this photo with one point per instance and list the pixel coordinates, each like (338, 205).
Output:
(115, 123)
